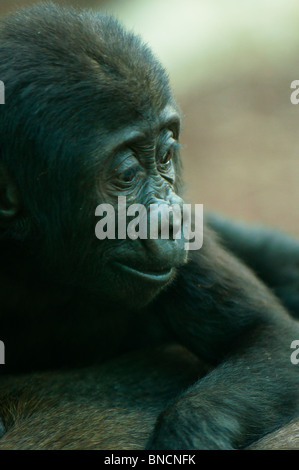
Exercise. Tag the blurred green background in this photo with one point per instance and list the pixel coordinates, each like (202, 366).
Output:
(231, 63)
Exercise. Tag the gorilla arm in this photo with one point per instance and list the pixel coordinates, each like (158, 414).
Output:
(273, 255)
(221, 312)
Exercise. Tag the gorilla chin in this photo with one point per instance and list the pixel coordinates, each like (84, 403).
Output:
(144, 278)
(138, 283)
(132, 289)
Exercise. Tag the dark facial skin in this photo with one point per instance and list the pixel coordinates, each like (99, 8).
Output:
(90, 116)
(141, 166)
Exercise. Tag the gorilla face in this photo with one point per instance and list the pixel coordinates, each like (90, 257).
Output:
(139, 160)
(143, 166)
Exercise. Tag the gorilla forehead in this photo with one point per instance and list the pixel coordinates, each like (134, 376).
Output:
(82, 61)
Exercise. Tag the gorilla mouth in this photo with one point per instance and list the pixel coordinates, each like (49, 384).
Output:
(156, 276)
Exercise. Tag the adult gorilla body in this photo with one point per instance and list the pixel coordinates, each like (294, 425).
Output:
(106, 407)
(89, 116)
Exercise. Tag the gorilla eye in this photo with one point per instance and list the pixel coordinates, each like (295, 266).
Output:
(166, 161)
(168, 156)
(128, 175)
(127, 170)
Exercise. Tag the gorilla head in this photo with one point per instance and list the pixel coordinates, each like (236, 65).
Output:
(89, 116)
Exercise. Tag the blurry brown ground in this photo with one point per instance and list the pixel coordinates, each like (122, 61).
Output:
(240, 140)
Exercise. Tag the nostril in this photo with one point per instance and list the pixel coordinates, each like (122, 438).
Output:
(175, 220)
(170, 221)
(165, 220)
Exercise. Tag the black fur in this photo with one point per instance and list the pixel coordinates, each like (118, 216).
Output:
(75, 83)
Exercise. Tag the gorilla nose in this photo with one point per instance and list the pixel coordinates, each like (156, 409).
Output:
(173, 221)
(166, 219)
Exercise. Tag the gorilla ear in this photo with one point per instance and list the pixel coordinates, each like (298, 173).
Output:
(9, 200)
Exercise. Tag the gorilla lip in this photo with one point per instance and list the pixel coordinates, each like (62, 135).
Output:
(159, 276)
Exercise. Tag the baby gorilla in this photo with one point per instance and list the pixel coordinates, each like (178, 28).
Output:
(89, 116)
